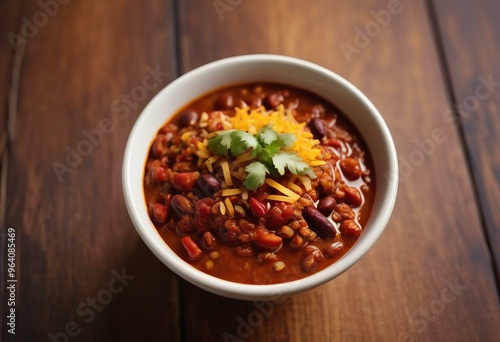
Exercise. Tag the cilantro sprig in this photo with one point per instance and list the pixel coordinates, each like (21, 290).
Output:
(268, 150)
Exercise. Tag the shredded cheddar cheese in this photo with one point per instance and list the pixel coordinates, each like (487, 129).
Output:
(306, 181)
(283, 121)
(280, 198)
(222, 208)
(231, 192)
(234, 170)
(271, 182)
(186, 135)
(295, 187)
(226, 173)
(229, 206)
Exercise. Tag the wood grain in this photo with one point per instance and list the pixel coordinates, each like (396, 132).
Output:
(73, 231)
(7, 25)
(428, 278)
(428, 242)
(475, 81)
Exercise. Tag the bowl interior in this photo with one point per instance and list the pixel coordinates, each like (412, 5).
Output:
(260, 68)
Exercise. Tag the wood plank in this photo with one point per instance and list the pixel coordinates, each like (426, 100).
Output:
(395, 292)
(8, 25)
(475, 80)
(83, 70)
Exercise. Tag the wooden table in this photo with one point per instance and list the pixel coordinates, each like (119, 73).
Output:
(79, 68)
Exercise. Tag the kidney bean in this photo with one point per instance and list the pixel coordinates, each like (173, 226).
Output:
(257, 207)
(345, 211)
(188, 118)
(273, 100)
(159, 146)
(319, 222)
(317, 128)
(181, 205)
(335, 248)
(265, 239)
(326, 205)
(350, 228)
(184, 226)
(158, 212)
(191, 247)
(224, 101)
(184, 181)
(352, 196)
(350, 168)
(207, 184)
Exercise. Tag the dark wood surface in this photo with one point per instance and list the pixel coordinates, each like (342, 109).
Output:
(432, 276)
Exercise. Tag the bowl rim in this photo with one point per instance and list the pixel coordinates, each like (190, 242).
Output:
(153, 240)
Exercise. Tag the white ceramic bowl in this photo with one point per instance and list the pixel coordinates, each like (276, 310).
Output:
(260, 68)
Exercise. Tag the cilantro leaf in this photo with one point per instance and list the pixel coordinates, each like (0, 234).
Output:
(293, 162)
(256, 152)
(256, 175)
(242, 141)
(266, 135)
(266, 151)
(288, 139)
(221, 143)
